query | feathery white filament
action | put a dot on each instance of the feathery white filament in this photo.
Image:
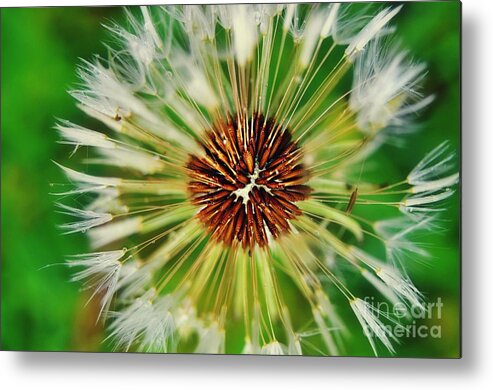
(149, 27)
(399, 235)
(73, 134)
(143, 162)
(385, 290)
(198, 87)
(142, 43)
(199, 21)
(370, 31)
(264, 14)
(330, 20)
(149, 320)
(311, 37)
(436, 185)
(88, 219)
(426, 198)
(385, 87)
(134, 280)
(273, 348)
(84, 178)
(395, 285)
(211, 339)
(325, 332)
(103, 235)
(244, 34)
(107, 94)
(368, 317)
(107, 201)
(429, 185)
(250, 348)
(101, 273)
(160, 329)
(288, 17)
(433, 166)
(404, 287)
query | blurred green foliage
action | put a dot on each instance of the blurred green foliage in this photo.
(41, 309)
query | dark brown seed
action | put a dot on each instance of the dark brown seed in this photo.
(211, 197)
(247, 156)
(239, 222)
(298, 171)
(242, 178)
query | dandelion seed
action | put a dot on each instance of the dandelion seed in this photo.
(211, 339)
(435, 164)
(148, 319)
(400, 239)
(395, 287)
(430, 187)
(385, 87)
(370, 31)
(101, 272)
(372, 325)
(145, 163)
(78, 136)
(106, 234)
(89, 219)
(133, 280)
(273, 348)
(229, 144)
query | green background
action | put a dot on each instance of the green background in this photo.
(40, 308)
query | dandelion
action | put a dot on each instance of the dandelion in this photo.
(230, 154)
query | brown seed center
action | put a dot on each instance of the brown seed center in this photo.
(247, 181)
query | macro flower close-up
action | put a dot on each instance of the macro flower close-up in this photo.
(234, 183)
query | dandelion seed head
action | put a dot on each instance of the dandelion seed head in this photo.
(230, 145)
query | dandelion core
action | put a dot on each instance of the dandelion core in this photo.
(248, 180)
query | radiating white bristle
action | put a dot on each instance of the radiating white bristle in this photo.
(371, 323)
(311, 37)
(100, 272)
(330, 20)
(143, 162)
(244, 34)
(76, 135)
(370, 31)
(436, 164)
(273, 348)
(211, 339)
(385, 87)
(87, 219)
(103, 235)
(148, 320)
